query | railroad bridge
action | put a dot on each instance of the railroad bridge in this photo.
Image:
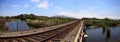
(67, 32)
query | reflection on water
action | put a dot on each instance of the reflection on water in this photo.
(107, 34)
(17, 25)
(103, 29)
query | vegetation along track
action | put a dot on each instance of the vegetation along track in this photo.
(44, 36)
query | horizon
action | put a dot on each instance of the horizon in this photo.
(62, 16)
(70, 8)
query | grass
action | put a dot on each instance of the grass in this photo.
(39, 22)
(45, 23)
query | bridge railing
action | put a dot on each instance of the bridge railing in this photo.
(80, 33)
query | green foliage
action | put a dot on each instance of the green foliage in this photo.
(40, 21)
(2, 24)
(101, 22)
(46, 22)
(37, 25)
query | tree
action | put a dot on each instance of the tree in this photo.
(107, 19)
(21, 17)
(7, 17)
(32, 16)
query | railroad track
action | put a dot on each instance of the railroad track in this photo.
(49, 36)
(61, 35)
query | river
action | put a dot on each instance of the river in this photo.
(102, 35)
(17, 26)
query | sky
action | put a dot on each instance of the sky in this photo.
(70, 8)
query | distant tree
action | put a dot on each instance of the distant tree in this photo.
(107, 19)
(7, 17)
(94, 18)
(32, 16)
(21, 17)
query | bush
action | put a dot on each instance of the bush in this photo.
(37, 25)
(101, 22)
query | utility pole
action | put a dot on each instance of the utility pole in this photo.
(17, 25)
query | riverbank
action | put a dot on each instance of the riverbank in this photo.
(95, 22)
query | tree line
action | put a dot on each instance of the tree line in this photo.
(95, 22)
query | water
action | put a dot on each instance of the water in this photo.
(12, 25)
(99, 35)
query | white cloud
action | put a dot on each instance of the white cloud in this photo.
(15, 5)
(34, 0)
(26, 5)
(82, 14)
(75, 15)
(43, 5)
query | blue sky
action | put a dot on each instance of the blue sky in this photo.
(71, 8)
